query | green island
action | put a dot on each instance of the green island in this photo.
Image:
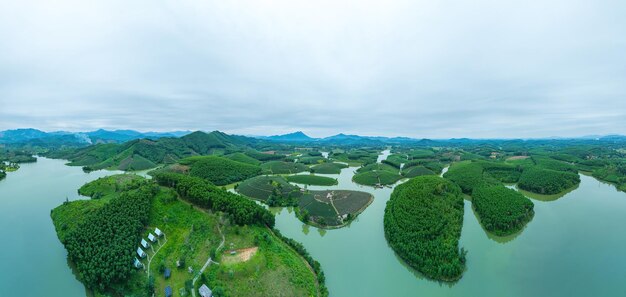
(501, 210)
(219, 171)
(328, 168)
(546, 181)
(422, 222)
(270, 189)
(377, 174)
(332, 208)
(312, 180)
(280, 167)
(201, 226)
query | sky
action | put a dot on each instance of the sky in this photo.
(432, 69)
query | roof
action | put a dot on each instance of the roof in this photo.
(144, 242)
(151, 237)
(140, 252)
(167, 272)
(168, 291)
(205, 291)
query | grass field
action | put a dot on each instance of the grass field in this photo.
(279, 167)
(312, 180)
(261, 187)
(332, 208)
(329, 168)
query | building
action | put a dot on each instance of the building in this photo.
(167, 273)
(205, 291)
(158, 232)
(168, 291)
(151, 237)
(141, 253)
(137, 263)
(145, 244)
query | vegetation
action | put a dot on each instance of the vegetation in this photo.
(314, 180)
(110, 186)
(416, 171)
(328, 168)
(2, 175)
(423, 221)
(243, 158)
(547, 182)
(272, 190)
(220, 171)
(502, 211)
(377, 177)
(205, 195)
(279, 167)
(103, 245)
(332, 208)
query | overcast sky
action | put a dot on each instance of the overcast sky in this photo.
(435, 69)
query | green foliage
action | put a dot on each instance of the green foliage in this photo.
(103, 246)
(328, 168)
(376, 177)
(467, 175)
(416, 171)
(311, 160)
(107, 187)
(547, 182)
(501, 171)
(272, 190)
(243, 158)
(280, 167)
(502, 211)
(423, 220)
(312, 180)
(263, 156)
(220, 171)
(2, 175)
(205, 195)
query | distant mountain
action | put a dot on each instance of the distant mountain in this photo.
(298, 136)
(58, 139)
(140, 154)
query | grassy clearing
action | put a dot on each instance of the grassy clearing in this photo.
(312, 180)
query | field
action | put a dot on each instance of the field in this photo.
(329, 168)
(312, 180)
(377, 177)
(416, 171)
(279, 167)
(333, 208)
(262, 187)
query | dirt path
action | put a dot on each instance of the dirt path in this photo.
(208, 262)
(150, 259)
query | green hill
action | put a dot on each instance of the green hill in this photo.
(220, 171)
(145, 153)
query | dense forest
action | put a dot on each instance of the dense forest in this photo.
(546, 181)
(220, 171)
(103, 245)
(502, 211)
(205, 195)
(423, 221)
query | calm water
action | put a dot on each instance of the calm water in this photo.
(33, 261)
(572, 247)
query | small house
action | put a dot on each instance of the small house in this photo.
(141, 253)
(151, 237)
(137, 263)
(168, 291)
(167, 273)
(145, 244)
(205, 291)
(158, 232)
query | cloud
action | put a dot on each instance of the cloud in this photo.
(412, 68)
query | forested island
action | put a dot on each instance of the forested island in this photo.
(502, 211)
(423, 221)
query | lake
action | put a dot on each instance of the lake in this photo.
(572, 247)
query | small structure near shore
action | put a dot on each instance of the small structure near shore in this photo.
(151, 237)
(137, 264)
(141, 253)
(145, 244)
(158, 232)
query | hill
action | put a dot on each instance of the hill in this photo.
(292, 137)
(146, 153)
